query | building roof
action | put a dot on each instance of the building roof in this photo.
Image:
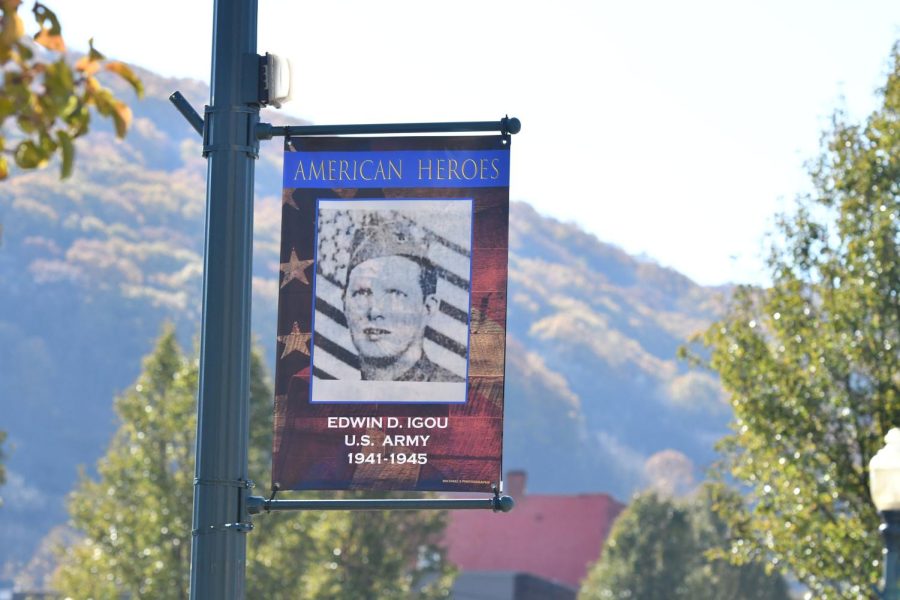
(555, 537)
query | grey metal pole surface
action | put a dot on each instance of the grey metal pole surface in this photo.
(890, 532)
(220, 518)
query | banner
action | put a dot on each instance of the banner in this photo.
(392, 313)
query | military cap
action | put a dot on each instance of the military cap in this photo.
(382, 238)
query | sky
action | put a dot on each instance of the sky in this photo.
(673, 130)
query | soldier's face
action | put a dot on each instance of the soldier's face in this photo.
(385, 308)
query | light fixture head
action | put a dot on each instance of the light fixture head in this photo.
(276, 80)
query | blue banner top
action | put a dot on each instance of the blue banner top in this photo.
(397, 169)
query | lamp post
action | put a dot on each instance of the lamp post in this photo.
(884, 484)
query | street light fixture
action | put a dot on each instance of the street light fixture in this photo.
(884, 484)
(277, 78)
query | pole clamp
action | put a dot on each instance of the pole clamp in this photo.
(251, 142)
(238, 527)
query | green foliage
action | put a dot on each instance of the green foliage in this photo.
(645, 555)
(48, 99)
(136, 518)
(335, 555)
(660, 548)
(348, 555)
(812, 366)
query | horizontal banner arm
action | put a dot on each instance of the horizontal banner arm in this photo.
(258, 504)
(506, 125)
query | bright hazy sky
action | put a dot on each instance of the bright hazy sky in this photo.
(674, 130)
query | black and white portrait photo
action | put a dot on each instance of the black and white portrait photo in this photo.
(391, 318)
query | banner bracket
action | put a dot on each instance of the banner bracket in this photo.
(496, 503)
(506, 126)
(266, 131)
(238, 483)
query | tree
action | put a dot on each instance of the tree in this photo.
(645, 554)
(136, 517)
(50, 100)
(811, 365)
(333, 555)
(660, 548)
(349, 555)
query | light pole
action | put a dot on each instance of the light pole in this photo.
(884, 484)
(221, 520)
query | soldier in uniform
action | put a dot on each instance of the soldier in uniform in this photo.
(389, 299)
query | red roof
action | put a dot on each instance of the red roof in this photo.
(553, 536)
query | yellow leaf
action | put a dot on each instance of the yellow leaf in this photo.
(92, 85)
(87, 65)
(4, 168)
(125, 72)
(103, 99)
(13, 28)
(50, 41)
(121, 117)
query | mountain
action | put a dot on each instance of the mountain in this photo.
(92, 266)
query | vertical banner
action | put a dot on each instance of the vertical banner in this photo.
(392, 313)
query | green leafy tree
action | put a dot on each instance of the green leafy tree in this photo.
(812, 366)
(660, 548)
(335, 555)
(48, 99)
(646, 555)
(349, 555)
(136, 517)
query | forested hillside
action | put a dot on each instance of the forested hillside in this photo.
(92, 266)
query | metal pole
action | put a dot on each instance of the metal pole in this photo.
(220, 518)
(890, 532)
